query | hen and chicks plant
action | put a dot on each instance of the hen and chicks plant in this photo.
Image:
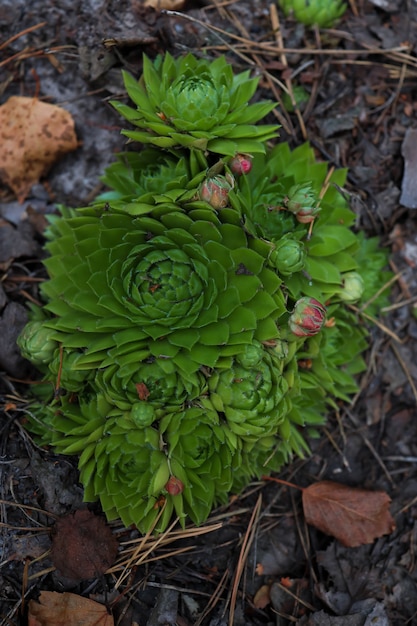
(322, 13)
(197, 321)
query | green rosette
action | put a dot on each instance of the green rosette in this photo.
(128, 466)
(204, 313)
(324, 13)
(170, 284)
(140, 180)
(194, 103)
(330, 249)
(251, 391)
(203, 453)
(157, 382)
(139, 176)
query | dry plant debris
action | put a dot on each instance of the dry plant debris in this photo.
(159, 5)
(67, 609)
(83, 546)
(34, 135)
(354, 516)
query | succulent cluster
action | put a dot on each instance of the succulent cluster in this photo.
(323, 13)
(196, 320)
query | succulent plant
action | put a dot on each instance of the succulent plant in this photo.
(288, 255)
(324, 13)
(215, 191)
(307, 318)
(194, 103)
(352, 287)
(196, 322)
(241, 164)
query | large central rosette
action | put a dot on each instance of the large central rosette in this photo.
(170, 285)
(163, 286)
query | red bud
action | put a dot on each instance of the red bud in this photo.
(307, 318)
(241, 164)
(174, 486)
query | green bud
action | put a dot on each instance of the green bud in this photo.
(303, 202)
(36, 344)
(143, 414)
(352, 287)
(288, 256)
(252, 355)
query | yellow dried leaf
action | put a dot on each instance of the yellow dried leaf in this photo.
(33, 135)
(67, 609)
(170, 5)
(262, 597)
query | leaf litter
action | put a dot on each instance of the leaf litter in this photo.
(354, 516)
(83, 546)
(67, 609)
(33, 134)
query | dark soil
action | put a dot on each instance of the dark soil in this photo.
(362, 84)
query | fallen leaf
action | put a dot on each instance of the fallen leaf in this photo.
(83, 546)
(33, 136)
(353, 516)
(67, 609)
(262, 597)
(171, 5)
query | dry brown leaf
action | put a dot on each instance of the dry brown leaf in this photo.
(170, 5)
(33, 135)
(83, 546)
(67, 609)
(353, 516)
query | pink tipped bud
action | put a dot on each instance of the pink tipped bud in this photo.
(307, 215)
(241, 164)
(307, 318)
(174, 486)
(303, 202)
(215, 190)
